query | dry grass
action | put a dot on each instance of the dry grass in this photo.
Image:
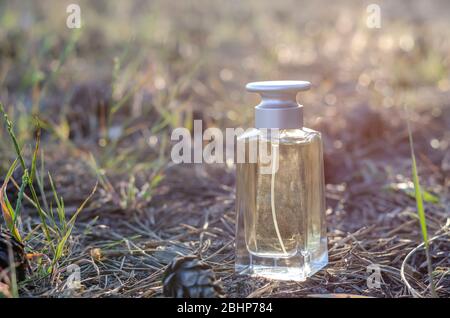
(108, 96)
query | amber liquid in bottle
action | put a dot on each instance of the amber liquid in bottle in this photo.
(281, 231)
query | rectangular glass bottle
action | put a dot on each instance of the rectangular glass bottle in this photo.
(280, 221)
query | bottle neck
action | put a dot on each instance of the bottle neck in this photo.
(290, 117)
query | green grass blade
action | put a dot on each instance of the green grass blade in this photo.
(20, 196)
(419, 201)
(9, 214)
(71, 224)
(420, 208)
(35, 153)
(9, 128)
(59, 204)
(41, 213)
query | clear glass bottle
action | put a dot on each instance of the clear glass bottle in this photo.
(280, 203)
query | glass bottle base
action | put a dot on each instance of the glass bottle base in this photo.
(295, 268)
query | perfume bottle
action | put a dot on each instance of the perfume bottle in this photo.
(280, 203)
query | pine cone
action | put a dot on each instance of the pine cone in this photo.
(189, 277)
(20, 260)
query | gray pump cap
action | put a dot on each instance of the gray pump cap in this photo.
(278, 107)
